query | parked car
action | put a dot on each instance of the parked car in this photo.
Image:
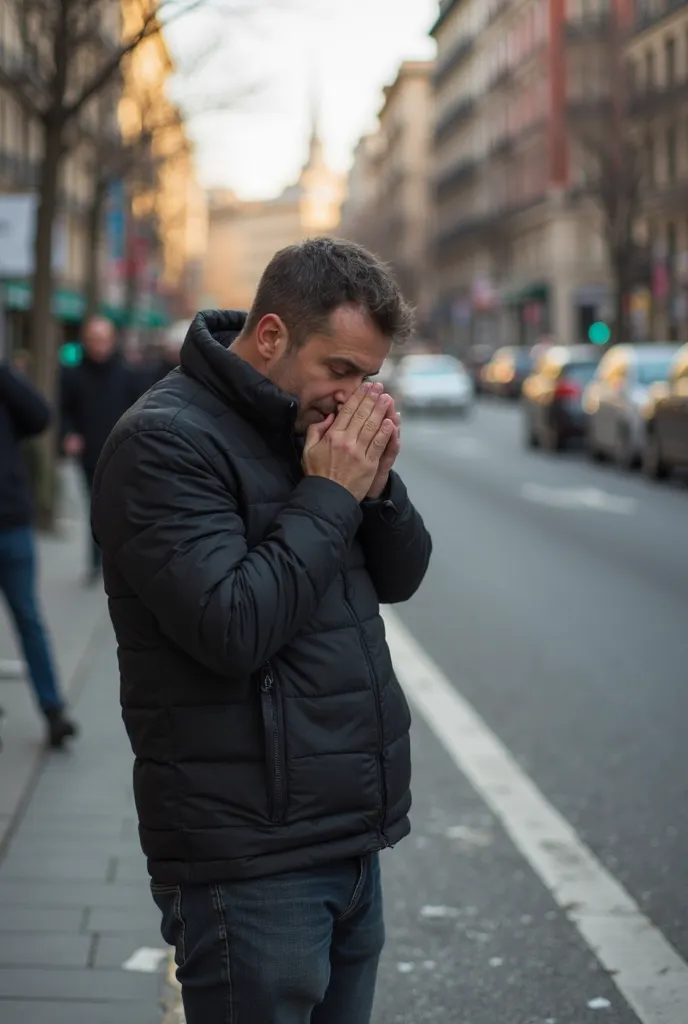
(614, 399)
(506, 371)
(666, 421)
(553, 396)
(426, 383)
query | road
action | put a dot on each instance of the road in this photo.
(556, 605)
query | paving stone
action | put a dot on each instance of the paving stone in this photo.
(73, 894)
(49, 865)
(131, 869)
(50, 950)
(77, 984)
(108, 920)
(40, 919)
(112, 950)
(34, 1012)
(44, 830)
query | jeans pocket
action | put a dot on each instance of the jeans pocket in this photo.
(273, 729)
(168, 899)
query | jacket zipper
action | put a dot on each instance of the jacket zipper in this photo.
(272, 743)
(376, 691)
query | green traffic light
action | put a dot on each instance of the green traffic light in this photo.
(71, 354)
(599, 333)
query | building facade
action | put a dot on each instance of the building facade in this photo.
(244, 236)
(388, 207)
(657, 53)
(21, 153)
(167, 231)
(518, 247)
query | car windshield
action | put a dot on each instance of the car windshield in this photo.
(522, 358)
(432, 366)
(653, 371)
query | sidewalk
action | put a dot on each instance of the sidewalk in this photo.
(74, 900)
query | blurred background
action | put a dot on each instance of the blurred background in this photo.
(523, 166)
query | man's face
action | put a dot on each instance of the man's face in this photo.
(99, 340)
(327, 369)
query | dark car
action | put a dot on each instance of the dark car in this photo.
(506, 371)
(553, 395)
(666, 422)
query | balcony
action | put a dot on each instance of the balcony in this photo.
(453, 61)
(659, 100)
(588, 29)
(453, 118)
(446, 8)
(496, 11)
(461, 174)
(503, 146)
(651, 12)
(500, 79)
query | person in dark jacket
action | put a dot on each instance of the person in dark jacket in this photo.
(23, 414)
(95, 394)
(251, 524)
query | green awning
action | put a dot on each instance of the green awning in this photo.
(67, 305)
(70, 307)
(536, 291)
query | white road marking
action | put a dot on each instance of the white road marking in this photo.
(645, 968)
(579, 498)
(146, 960)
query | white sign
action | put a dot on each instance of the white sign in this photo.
(17, 233)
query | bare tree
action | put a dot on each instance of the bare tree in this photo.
(72, 53)
(612, 139)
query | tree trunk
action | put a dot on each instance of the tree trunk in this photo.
(621, 290)
(43, 335)
(95, 230)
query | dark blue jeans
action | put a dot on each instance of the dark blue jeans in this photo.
(18, 585)
(298, 948)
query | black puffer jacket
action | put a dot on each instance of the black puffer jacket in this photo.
(94, 396)
(269, 730)
(23, 413)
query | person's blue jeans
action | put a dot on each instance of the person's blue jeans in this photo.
(297, 948)
(18, 585)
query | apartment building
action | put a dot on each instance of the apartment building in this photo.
(657, 53)
(387, 207)
(518, 248)
(21, 143)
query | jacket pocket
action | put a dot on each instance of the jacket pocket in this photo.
(274, 744)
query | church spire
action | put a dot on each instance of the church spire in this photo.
(315, 147)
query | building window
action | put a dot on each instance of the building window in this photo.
(670, 60)
(649, 70)
(671, 153)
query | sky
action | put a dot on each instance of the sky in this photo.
(252, 77)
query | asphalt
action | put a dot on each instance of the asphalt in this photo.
(556, 604)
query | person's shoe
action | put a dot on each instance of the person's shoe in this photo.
(60, 728)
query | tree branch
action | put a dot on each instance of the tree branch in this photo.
(151, 25)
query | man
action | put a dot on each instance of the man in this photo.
(24, 413)
(250, 524)
(94, 396)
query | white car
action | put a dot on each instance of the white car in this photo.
(427, 383)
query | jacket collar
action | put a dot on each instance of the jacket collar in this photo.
(206, 358)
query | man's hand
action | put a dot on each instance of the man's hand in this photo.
(73, 445)
(388, 456)
(347, 448)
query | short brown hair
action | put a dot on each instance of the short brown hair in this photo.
(305, 283)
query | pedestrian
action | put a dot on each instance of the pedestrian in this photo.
(251, 523)
(23, 414)
(95, 394)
